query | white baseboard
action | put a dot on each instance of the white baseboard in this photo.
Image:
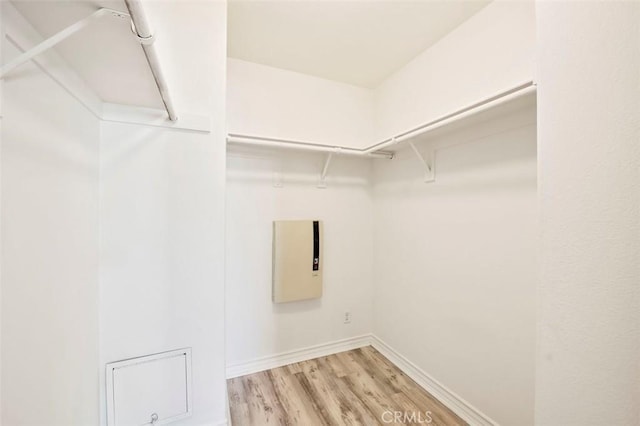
(455, 403)
(221, 422)
(298, 355)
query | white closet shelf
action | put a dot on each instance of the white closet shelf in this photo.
(380, 149)
(377, 150)
(139, 25)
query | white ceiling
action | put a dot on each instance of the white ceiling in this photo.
(105, 54)
(356, 42)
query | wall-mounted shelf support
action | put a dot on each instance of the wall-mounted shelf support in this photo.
(427, 163)
(276, 180)
(323, 175)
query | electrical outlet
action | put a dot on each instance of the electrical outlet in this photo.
(347, 317)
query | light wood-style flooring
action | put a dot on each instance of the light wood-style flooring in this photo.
(358, 387)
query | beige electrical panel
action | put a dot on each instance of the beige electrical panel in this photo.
(297, 260)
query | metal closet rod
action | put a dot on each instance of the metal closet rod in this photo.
(472, 109)
(140, 24)
(377, 150)
(303, 146)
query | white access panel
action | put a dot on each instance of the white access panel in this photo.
(153, 389)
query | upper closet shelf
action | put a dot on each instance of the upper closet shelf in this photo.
(379, 149)
(141, 29)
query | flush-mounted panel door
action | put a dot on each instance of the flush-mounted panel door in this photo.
(154, 389)
(297, 260)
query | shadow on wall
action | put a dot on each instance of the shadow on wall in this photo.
(456, 160)
(285, 167)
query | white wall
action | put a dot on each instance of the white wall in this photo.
(491, 52)
(589, 150)
(257, 327)
(266, 101)
(162, 252)
(271, 102)
(49, 253)
(162, 214)
(454, 266)
(2, 58)
(455, 262)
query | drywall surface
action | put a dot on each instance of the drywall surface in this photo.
(161, 251)
(455, 262)
(271, 102)
(490, 52)
(49, 253)
(256, 327)
(589, 201)
(162, 215)
(2, 57)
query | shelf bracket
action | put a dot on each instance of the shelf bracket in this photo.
(58, 37)
(427, 163)
(322, 184)
(276, 180)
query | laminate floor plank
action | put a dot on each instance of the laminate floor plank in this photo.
(341, 409)
(407, 386)
(363, 414)
(338, 368)
(297, 405)
(263, 406)
(374, 398)
(416, 416)
(294, 368)
(353, 388)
